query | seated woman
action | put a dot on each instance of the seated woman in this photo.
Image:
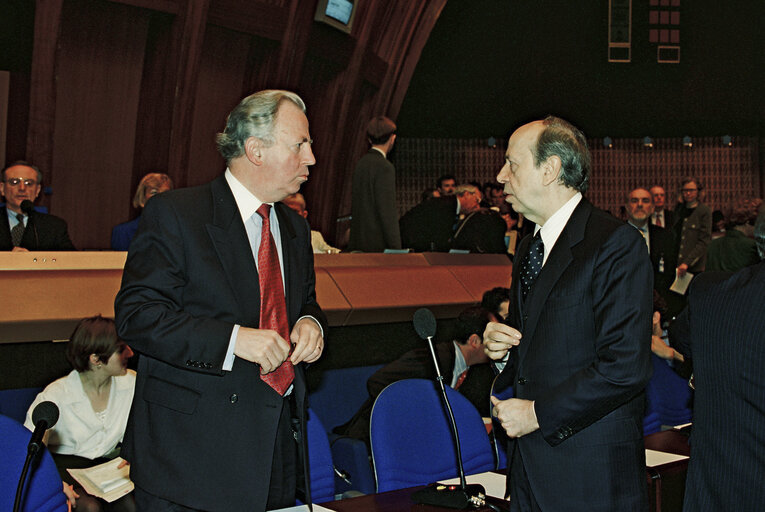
(150, 185)
(94, 402)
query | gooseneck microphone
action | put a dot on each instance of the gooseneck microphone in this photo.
(44, 416)
(436, 494)
(28, 207)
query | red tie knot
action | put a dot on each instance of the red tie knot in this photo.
(263, 210)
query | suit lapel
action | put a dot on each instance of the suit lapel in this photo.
(557, 262)
(232, 246)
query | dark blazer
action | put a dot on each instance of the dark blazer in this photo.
(584, 359)
(722, 330)
(482, 231)
(694, 234)
(664, 262)
(122, 234)
(44, 232)
(415, 364)
(198, 435)
(374, 215)
(429, 226)
(668, 219)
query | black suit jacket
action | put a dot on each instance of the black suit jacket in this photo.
(44, 232)
(482, 231)
(374, 215)
(584, 359)
(664, 262)
(198, 435)
(429, 226)
(722, 329)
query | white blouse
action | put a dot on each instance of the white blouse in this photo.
(80, 430)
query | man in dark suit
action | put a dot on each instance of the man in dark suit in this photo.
(453, 222)
(577, 353)
(661, 215)
(218, 298)
(722, 331)
(661, 247)
(454, 361)
(24, 229)
(374, 215)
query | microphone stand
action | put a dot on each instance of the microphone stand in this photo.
(450, 496)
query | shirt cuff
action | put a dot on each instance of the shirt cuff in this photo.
(317, 323)
(228, 362)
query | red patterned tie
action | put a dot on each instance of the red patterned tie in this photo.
(460, 379)
(273, 307)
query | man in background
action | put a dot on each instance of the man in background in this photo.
(660, 244)
(374, 215)
(446, 185)
(575, 346)
(455, 359)
(296, 201)
(661, 216)
(22, 228)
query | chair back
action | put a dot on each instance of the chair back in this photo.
(668, 398)
(43, 490)
(498, 434)
(411, 437)
(321, 471)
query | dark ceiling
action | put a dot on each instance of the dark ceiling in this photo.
(491, 64)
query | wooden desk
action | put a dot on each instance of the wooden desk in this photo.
(666, 483)
(46, 293)
(397, 501)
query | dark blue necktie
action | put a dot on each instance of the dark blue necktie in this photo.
(531, 264)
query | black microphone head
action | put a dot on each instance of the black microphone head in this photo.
(424, 323)
(27, 206)
(47, 412)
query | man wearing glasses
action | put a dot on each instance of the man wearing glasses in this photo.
(21, 227)
(693, 229)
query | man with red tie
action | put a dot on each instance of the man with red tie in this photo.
(218, 298)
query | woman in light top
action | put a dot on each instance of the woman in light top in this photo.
(94, 401)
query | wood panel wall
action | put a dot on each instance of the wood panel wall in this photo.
(124, 87)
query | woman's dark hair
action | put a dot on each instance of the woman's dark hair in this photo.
(95, 335)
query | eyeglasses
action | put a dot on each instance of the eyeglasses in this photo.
(15, 181)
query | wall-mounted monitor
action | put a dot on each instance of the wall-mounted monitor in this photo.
(337, 13)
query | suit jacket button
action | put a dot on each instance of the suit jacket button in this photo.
(208, 365)
(560, 435)
(521, 381)
(234, 398)
(189, 362)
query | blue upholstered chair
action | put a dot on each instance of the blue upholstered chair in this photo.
(411, 437)
(43, 489)
(668, 398)
(498, 435)
(319, 461)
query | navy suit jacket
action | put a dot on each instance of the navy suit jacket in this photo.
(44, 232)
(722, 329)
(198, 435)
(584, 359)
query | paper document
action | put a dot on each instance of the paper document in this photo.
(494, 483)
(105, 481)
(654, 458)
(681, 283)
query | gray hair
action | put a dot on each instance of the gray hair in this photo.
(253, 117)
(759, 233)
(564, 140)
(461, 190)
(25, 164)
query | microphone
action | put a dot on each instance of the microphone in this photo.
(28, 207)
(440, 495)
(44, 416)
